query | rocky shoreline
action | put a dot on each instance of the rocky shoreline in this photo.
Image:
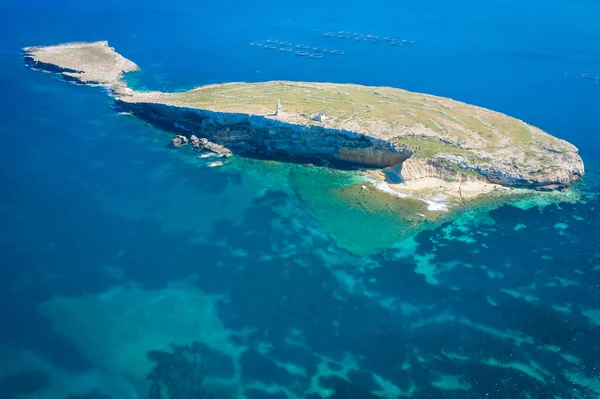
(87, 63)
(419, 143)
(255, 135)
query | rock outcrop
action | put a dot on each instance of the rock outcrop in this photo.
(431, 137)
(201, 144)
(86, 63)
(178, 141)
(204, 144)
(421, 168)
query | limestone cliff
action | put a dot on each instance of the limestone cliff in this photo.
(422, 168)
(257, 135)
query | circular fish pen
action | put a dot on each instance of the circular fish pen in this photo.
(269, 47)
(360, 38)
(590, 76)
(329, 34)
(389, 39)
(316, 56)
(372, 37)
(302, 46)
(343, 37)
(301, 53)
(397, 44)
(337, 52)
(273, 41)
(285, 43)
(319, 50)
(285, 49)
(256, 44)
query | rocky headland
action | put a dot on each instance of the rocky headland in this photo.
(417, 144)
(87, 63)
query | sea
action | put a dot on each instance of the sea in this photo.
(131, 270)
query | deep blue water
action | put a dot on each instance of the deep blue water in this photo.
(112, 245)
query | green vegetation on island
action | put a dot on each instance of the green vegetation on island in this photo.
(427, 141)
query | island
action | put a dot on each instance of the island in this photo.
(417, 144)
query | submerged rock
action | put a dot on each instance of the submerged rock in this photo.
(23, 383)
(90, 395)
(191, 371)
(155, 391)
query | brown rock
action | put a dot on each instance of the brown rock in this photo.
(178, 141)
(195, 141)
(218, 149)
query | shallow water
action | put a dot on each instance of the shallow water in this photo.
(114, 245)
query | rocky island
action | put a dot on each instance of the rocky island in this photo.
(418, 144)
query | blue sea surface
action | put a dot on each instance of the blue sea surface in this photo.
(131, 270)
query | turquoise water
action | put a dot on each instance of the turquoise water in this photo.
(125, 263)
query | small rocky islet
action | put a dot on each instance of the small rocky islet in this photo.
(410, 144)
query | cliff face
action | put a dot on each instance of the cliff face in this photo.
(420, 168)
(549, 169)
(253, 134)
